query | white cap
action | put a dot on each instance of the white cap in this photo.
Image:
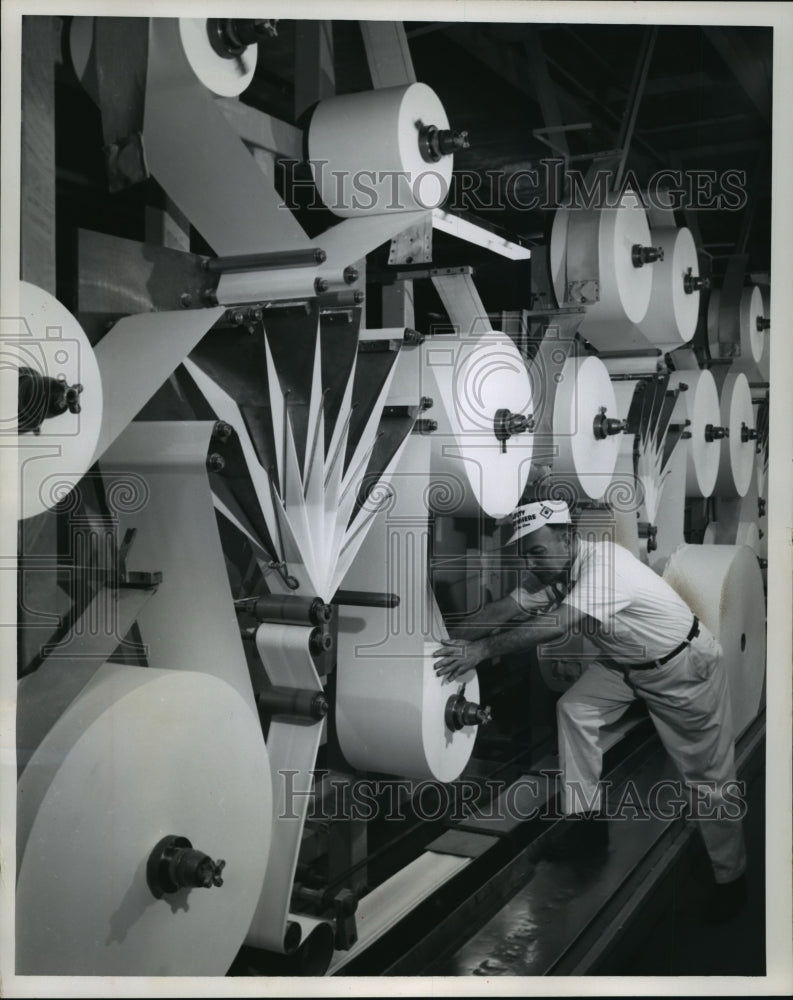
(532, 516)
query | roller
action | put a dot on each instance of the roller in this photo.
(52, 344)
(753, 333)
(671, 318)
(764, 361)
(141, 756)
(586, 428)
(483, 408)
(603, 258)
(699, 404)
(382, 151)
(222, 64)
(723, 586)
(737, 458)
(393, 713)
(225, 64)
(118, 377)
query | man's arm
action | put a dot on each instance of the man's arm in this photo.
(491, 616)
(458, 657)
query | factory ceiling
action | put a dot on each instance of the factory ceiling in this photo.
(688, 104)
(690, 98)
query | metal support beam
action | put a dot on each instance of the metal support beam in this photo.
(546, 93)
(314, 74)
(635, 99)
(388, 54)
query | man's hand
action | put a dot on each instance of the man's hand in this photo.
(457, 656)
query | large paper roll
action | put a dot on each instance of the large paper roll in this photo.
(585, 396)
(119, 375)
(224, 76)
(470, 379)
(674, 303)
(390, 704)
(201, 162)
(752, 332)
(723, 586)
(365, 155)
(52, 343)
(592, 264)
(737, 457)
(699, 404)
(142, 754)
(764, 362)
(292, 746)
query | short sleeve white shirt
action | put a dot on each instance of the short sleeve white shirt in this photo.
(640, 616)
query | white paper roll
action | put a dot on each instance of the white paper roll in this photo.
(390, 703)
(470, 378)
(591, 264)
(736, 461)
(140, 755)
(292, 747)
(202, 163)
(672, 314)
(282, 283)
(764, 362)
(753, 340)
(699, 404)
(51, 342)
(723, 586)
(584, 390)
(364, 151)
(226, 77)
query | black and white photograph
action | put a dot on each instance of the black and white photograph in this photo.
(396, 507)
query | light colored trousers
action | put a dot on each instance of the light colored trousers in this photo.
(689, 703)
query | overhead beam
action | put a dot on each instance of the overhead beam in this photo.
(546, 93)
(635, 95)
(502, 61)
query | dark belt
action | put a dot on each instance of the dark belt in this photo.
(693, 633)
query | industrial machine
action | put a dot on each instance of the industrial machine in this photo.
(274, 411)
